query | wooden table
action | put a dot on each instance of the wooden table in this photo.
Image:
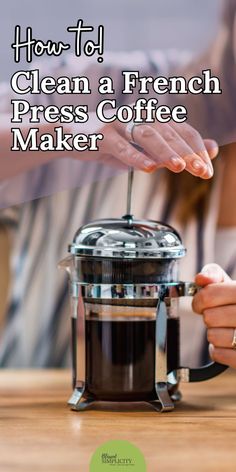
(39, 433)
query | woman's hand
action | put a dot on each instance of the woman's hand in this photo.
(175, 146)
(217, 303)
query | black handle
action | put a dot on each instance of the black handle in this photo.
(206, 372)
(210, 370)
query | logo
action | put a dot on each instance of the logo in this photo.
(121, 456)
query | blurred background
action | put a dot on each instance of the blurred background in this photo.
(185, 24)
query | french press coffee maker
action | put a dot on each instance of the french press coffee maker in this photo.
(125, 324)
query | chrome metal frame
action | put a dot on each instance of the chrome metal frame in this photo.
(161, 380)
(138, 291)
(77, 400)
(161, 294)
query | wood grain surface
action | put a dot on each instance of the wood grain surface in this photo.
(39, 433)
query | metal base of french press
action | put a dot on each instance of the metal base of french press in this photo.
(163, 402)
(77, 400)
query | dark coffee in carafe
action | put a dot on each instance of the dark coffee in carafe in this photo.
(120, 355)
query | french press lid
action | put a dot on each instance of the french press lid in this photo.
(129, 238)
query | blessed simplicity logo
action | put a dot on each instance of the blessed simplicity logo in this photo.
(117, 455)
(115, 459)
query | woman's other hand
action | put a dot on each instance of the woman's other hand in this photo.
(217, 303)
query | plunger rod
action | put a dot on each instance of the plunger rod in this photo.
(129, 190)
